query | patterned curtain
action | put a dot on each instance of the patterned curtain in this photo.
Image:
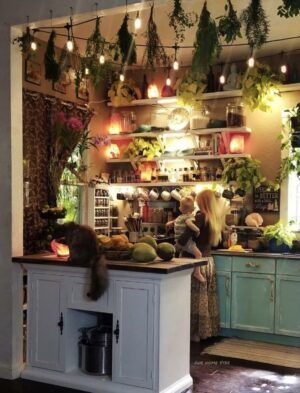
(38, 111)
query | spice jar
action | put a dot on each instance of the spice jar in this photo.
(235, 115)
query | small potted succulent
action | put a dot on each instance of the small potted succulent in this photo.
(280, 237)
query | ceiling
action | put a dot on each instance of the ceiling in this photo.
(279, 28)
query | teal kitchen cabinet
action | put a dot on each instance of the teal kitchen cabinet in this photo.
(223, 268)
(252, 306)
(287, 310)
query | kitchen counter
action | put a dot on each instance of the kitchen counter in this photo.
(157, 266)
(264, 254)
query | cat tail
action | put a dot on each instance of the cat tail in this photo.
(99, 278)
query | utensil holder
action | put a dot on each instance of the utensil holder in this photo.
(133, 237)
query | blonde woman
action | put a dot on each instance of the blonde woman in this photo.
(210, 220)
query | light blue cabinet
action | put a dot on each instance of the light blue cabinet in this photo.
(253, 302)
(224, 296)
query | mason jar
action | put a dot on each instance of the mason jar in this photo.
(235, 115)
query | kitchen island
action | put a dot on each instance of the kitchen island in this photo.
(150, 308)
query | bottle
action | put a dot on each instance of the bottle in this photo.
(233, 237)
(191, 174)
(146, 212)
(180, 175)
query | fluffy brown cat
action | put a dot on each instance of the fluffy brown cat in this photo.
(85, 250)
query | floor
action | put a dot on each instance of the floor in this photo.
(211, 374)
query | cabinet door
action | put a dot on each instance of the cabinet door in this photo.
(287, 316)
(224, 295)
(134, 321)
(252, 306)
(45, 336)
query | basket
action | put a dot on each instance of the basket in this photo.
(117, 255)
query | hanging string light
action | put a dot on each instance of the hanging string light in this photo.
(70, 43)
(222, 78)
(283, 67)
(33, 44)
(251, 60)
(137, 21)
(122, 75)
(176, 63)
(168, 80)
(86, 71)
(102, 59)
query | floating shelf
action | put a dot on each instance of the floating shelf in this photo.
(194, 157)
(165, 184)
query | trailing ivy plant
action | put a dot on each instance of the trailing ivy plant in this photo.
(289, 8)
(189, 90)
(256, 24)
(229, 24)
(260, 87)
(207, 46)
(180, 20)
(24, 42)
(125, 46)
(154, 53)
(52, 69)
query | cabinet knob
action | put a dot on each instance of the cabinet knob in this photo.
(252, 264)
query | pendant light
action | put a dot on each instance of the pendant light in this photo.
(176, 62)
(137, 21)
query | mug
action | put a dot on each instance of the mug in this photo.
(143, 194)
(128, 195)
(165, 195)
(153, 194)
(175, 194)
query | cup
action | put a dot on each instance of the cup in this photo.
(128, 195)
(153, 194)
(165, 195)
(175, 194)
(143, 194)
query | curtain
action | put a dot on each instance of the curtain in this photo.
(38, 111)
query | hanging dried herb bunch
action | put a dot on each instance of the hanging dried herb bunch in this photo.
(229, 24)
(24, 41)
(289, 8)
(125, 46)
(256, 24)
(154, 52)
(95, 47)
(180, 20)
(52, 69)
(207, 46)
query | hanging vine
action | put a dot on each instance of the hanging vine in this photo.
(207, 46)
(229, 24)
(256, 24)
(125, 46)
(24, 42)
(180, 20)
(52, 69)
(154, 52)
(289, 8)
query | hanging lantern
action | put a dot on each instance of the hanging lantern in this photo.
(237, 144)
(115, 126)
(112, 151)
(153, 91)
(60, 249)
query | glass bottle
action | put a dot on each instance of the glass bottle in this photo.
(235, 115)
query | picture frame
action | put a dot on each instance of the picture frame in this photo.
(59, 86)
(82, 93)
(33, 72)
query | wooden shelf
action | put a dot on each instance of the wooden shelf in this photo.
(165, 184)
(176, 158)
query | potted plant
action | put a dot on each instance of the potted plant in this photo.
(280, 237)
(295, 126)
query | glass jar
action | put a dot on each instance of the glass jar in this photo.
(128, 121)
(235, 115)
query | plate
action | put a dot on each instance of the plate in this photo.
(178, 119)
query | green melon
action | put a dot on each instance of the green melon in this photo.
(149, 240)
(166, 251)
(143, 252)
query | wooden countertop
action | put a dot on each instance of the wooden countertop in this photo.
(256, 254)
(157, 266)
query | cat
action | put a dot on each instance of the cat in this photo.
(85, 250)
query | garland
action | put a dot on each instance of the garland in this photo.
(125, 46)
(229, 25)
(207, 46)
(256, 24)
(180, 20)
(154, 52)
(289, 8)
(52, 69)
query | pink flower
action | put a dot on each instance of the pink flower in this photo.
(60, 117)
(74, 124)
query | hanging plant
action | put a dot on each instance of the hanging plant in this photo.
(229, 24)
(289, 8)
(96, 46)
(24, 42)
(125, 46)
(154, 52)
(189, 90)
(141, 148)
(180, 20)
(256, 24)
(207, 46)
(260, 87)
(52, 69)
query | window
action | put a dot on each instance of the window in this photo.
(293, 213)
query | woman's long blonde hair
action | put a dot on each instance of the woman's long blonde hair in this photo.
(214, 216)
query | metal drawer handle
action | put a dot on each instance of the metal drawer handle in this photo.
(252, 264)
(272, 291)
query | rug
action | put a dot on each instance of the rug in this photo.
(279, 355)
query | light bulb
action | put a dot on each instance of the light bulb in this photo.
(33, 45)
(222, 79)
(86, 71)
(168, 81)
(102, 59)
(176, 65)
(283, 69)
(122, 77)
(251, 62)
(70, 45)
(137, 21)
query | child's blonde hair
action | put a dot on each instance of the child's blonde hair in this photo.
(207, 203)
(187, 205)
